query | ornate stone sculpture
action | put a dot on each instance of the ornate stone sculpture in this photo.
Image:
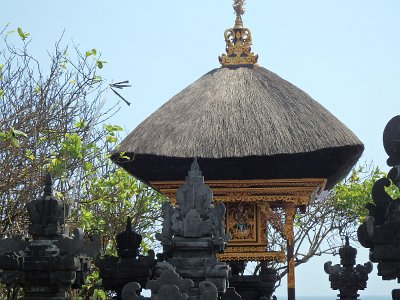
(116, 272)
(193, 231)
(50, 264)
(347, 278)
(380, 231)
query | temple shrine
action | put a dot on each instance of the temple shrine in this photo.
(265, 148)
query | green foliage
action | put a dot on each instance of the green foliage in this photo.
(99, 63)
(91, 52)
(12, 136)
(59, 129)
(92, 288)
(354, 193)
(23, 35)
(99, 295)
(111, 132)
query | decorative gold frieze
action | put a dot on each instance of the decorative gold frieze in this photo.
(241, 249)
(252, 256)
(276, 192)
(278, 200)
(248, 183)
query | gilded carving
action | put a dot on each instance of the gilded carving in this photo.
(270, 216)
(238, 48)
(278, 192)
(238, 249)
(290, 211)
(252, 256)
(238, 42)
(272, 199)
(248, 227)
(263, 183)
(242, 221)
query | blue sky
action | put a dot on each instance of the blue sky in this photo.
(345, 54)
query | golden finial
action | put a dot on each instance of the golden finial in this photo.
(238, 41)
(238, 6)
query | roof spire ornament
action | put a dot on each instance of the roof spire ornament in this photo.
(238, 6)
(238, 41)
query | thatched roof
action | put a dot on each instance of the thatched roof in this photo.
(244, 122)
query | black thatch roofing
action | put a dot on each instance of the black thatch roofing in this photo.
(241, 123)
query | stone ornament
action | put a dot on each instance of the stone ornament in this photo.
(170, 278)
(348, 278)
(128, 267)
(52, 263)
(194, 216)
(193, 232)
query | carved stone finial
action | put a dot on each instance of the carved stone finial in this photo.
(347, 254)
(128, 241)
(46, 214)
(129, 224)
(238, 42)
(48, 186)
(195, 166)
(348, 278)
(380, 230)
(194, 172)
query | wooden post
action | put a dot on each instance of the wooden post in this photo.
(290, 211)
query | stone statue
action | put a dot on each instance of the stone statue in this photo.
(52, 263)
(117, 272)
(193, 232)
(347, 278)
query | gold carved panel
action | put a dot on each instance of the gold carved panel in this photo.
(242, 222)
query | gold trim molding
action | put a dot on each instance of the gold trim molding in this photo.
(275, 192)
(252, 256)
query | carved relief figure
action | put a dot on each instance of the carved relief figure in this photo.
(242, 221)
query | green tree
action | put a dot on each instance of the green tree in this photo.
(38, 111)
(53, 119)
